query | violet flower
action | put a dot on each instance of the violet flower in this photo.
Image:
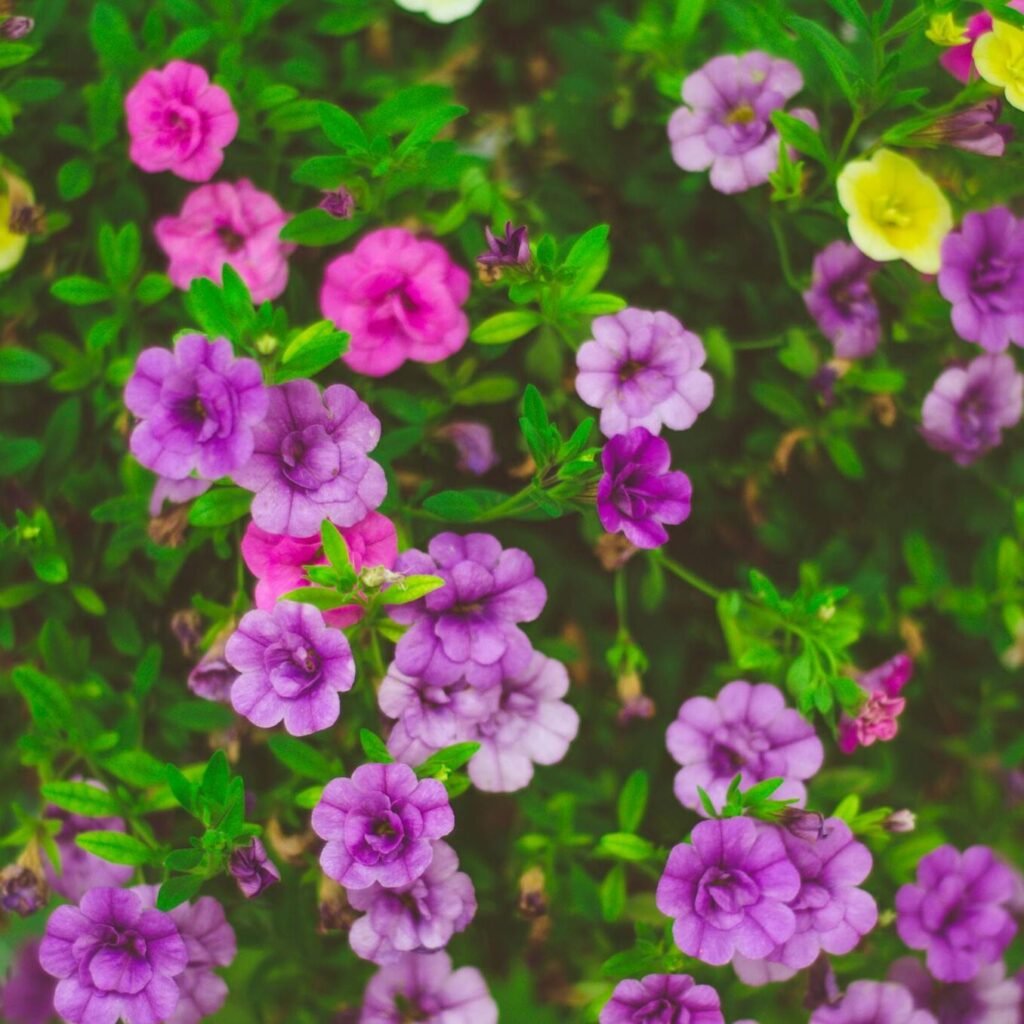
(212, 678)
(474, 444)
(339, 203)
(841, 302)
(972, 129)
(26, 994)
(16, 27)
(876, 720)
(177, 492)
(873, 1002)
(252, 868)
(510, 250)
(662, 999)
(23, 890)
(990, 998)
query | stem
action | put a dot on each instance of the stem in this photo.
(851, 134)
(622, 601)
(783, 247)
(686, 576)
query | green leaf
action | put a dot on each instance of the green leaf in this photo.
(21, 366)
(588, 259)
(374, 747)
(341, 128)
(47, 702)
(845, 457)
(198, 715)
(183, 860)
(323, 598)
(78, 290)
(334, 546)
(633, 801)
(801, 136)
(310, 351)
(12, 54)
(183, 790)
(137, 768)
(301, 758)
(220, 506)
(839, 60)
(427, 127)
(216, 776)
(625, 846)
(411, 588)
(505, 327)
(463, 506)
(597, 304)
(115, 847)
(112, 39)
(178, 890)
(778, 400)
(18, 454)
(152, 288)
(613, 893)
(81, 798)
(74, 178)
(449, 759)
(487, 390)
(88, 600)
(317, 227)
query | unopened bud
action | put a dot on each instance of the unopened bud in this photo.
(900, 821)
(23, 889)
(809, 825)
(266, 344)
(533, 898)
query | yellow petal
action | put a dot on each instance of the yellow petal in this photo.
(999, 58)
(945, 30)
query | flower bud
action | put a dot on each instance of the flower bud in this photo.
(252, 869)
(900, 821)
(23, 889)
(809, 825)
(17, 27)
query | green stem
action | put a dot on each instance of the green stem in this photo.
(686, 576)
(783, 247)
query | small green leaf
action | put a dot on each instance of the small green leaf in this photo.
(633, 801)
(411, 588)
(78, 290)
(115, 847)
(374, 747)
(801, 136)
(22, 366)
(301, 758)
(219, 507)
(625, 846)
(505, 327)
(334, 546)
(82, 798)
(178, 890)
(449, 759)
(341, 128)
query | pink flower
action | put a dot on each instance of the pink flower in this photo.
(179, 122)
(400, 298)
(959, 60)
(876, 719)
(228, 223)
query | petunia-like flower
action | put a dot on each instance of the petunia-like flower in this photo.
(957, 911)
(399, 297)
(746, 730)
(227, 223)
(424, 988)
(991, 998)
(26, 994)
(894, 210)
(474, 444)
(873, 1002)
(441, 11)
(662, 999)
(643, 369)
(113, 959)
(415, 918)
(972, 129)
(512, 249)
(969, 407)
(982, 275)
(212, 678)
(198, 407)
(469, 627)
(999, 59)
(252, 868)
(841, 302)
(310, 461)
(637, 493)
(876, 720)
(179, 122)
(380, 825)
(729, 891)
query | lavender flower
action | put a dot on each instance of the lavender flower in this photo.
(380, 825)
(338, 203)
(253, 869)
(16, 27)
(26, 995)
(662, 999)
(841, 302)
(474, 443)
(213, 677)
(747, 730)
(876, 720)
(991, 998)
(177, 492)
(873, 1002)
(310, 461)
(511, 250)
(972, 129)
(643, 369)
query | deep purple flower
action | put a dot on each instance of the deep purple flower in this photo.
(841, 302)
(662, 999)
(114, 959)
(380, 825)
(991, 998)
(972, 129)
(26, 996)
(511, 250)
(807, 825)
(422, 987)
(729, 891)
(17, 27)
(957, 911)
(876, 720)
(23, 890)
(638, 493)
(969, 407)
(468, 628)
(292, 665)
(474, 443)
(746, 730)
(253, 869)
(339, 202)
(643, 369)
(419, 917)
(198, 407)
(873, 1002)
(310, 461)
(982, 275)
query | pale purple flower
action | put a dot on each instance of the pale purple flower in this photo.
(662, 999)
(380, 825)
(643, 369)
(177, 492)
(746, 730)
(474, 444)
(841, 302)
(512, 249)
(310, 461)
(972, 129)
(873, 1002)
(876, 719)
(991, 998)
(729, 891)
(212, 679)
(26, 995)
(957, 911)
(253, 869)
(17, 27)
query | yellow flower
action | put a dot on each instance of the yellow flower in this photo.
(999, 58)
(16, 194)
(945, 30)
(895, 210)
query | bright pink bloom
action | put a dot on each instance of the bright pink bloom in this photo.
(876, 719)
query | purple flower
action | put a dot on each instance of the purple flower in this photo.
(292, 665)
(991, 998)
(969, 406)
(23, 890)
(380, 825)
(212, 679)
(511, 250)
(177, 492)
(114, 959)
(873, 1002)
(474, 443)
(957, 911)
(26, 996)
(419, 917)
(982, 275)
(972, 129)
(339, 203)
(310, 461)
(643, 369)
(729, 891)
(662, 999)
(637, 493)
(747, 730)
(422, 987)
(468, 628)
(876, 720)
(841, 302)
(253, 869)
(17, 27)
(727, 125)
(198, 408)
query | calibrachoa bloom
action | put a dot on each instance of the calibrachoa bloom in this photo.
(894, 210)
(441, 11)
(972, 129)
(26, 995)
(637, 493)
(643, 369)
(198, 408)
(876, 719)
(873, 1002)
(113, 959)
(841, 302)
(179, 122)
(468, 628)
(310, 461)
(224, 223)
(746, 730)
(727, 124)
(729, 891)
(662, 999)
(252, 868)
(982, 275)
(999, 58)
(380, 825)
(969, 407)
(957, 911)
(510, 250)
(400, 297)
(292, 665)
(177, 492)
(212, 678)
(474, 444)
(991, 998)
(959, 60)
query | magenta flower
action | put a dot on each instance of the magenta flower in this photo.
(310, 461)
(179, 122)
(746, 730)
(662, 999)
(26, 994)
(873, 1002)
(643, 369)
(729, 891)
(399, 297)
(252, 868)
(841, 302)
(991, 998)
(233, 224)
(876, 719)
(380, 825)
(727, 125)
(474, 445)
(957, 911)
(113, 959)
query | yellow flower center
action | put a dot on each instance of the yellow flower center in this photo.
(743, 114)
(891, 212)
